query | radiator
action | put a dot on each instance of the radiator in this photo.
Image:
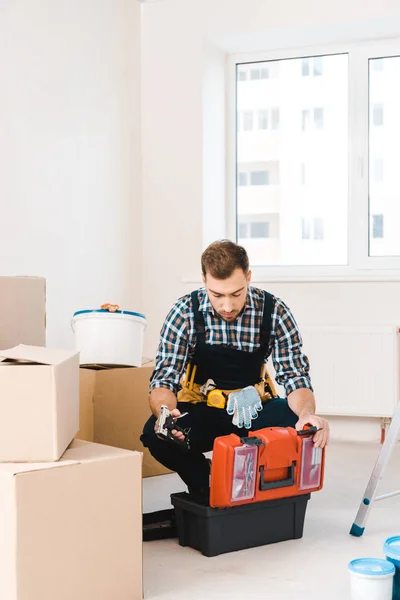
(354, 370)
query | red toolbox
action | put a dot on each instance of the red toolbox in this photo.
(272, 463)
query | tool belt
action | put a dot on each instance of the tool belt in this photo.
(216, 398)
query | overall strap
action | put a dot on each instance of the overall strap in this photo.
(266, 324)
(198, 318)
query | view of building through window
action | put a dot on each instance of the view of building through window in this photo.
(292, 160)
(384, 134)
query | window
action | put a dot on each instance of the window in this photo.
(255, 74)
(242, 75)
(305, 229)
(312, 229)
(330, 167)
(262, 119)
(318, 118)
(377, 64)
(377, 226)
(259, 230)
(312, 119)
(275, 118)
(384, 133)
(242, 230)
(305, 67)
(318, 229)
(306, 120)
(317, 66)
(247, 120)
(242, 178)
(377, 170)
(259, 73)
(259, 178)
(377, 115)
(312, 66)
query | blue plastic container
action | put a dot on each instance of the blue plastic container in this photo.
(391, 548)
(371, 579)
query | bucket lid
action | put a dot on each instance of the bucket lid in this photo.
(371, 567)
(391, 547)
(104, 310)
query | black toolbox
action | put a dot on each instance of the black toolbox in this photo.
(215, 531)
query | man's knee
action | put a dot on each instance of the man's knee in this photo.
(276, 413)
(148, 437)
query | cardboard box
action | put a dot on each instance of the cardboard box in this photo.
(22, 311)
(39, 403)
(87, 383)
(72, 530)
(119, 400)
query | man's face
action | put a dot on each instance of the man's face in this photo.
(228, 296)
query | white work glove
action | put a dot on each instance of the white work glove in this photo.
(244, 406)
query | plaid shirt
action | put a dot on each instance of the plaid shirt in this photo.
(178, 340)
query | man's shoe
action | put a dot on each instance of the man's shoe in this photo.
(159, 525)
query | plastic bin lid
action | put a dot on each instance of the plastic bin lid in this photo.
(391, 547)
(371, 566)
(104, 310)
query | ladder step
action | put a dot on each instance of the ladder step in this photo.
(387, 495)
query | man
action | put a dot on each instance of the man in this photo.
(222, 335)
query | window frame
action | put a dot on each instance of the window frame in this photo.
(360, 265)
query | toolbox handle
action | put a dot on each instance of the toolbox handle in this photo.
(252, 441)
(309, 431)
(271, 485)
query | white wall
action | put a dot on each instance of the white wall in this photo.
(70, 168)
(183, 51)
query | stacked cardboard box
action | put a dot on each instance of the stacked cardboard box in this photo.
(70, 510)
(114, 406)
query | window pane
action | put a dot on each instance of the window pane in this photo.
(259, 230)
(378, 170)
(318, 229)
(242, 230)
(306, 120)
(259, 178)
(275, 118)
(305, 229)
(377, 115)
(305, 67)
(318, 118)
(262, 119)
(247, 121)
(255, 74)
(377, 64)
(307, 134)
(377, 226)
(317, 66)
(264, 73)
(242, 178)
(384, 135)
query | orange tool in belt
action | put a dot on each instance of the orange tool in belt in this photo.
(272, 463)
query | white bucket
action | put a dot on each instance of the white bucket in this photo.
(371, 579)
(109, 338)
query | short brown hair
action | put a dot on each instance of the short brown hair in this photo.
(222, 257)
